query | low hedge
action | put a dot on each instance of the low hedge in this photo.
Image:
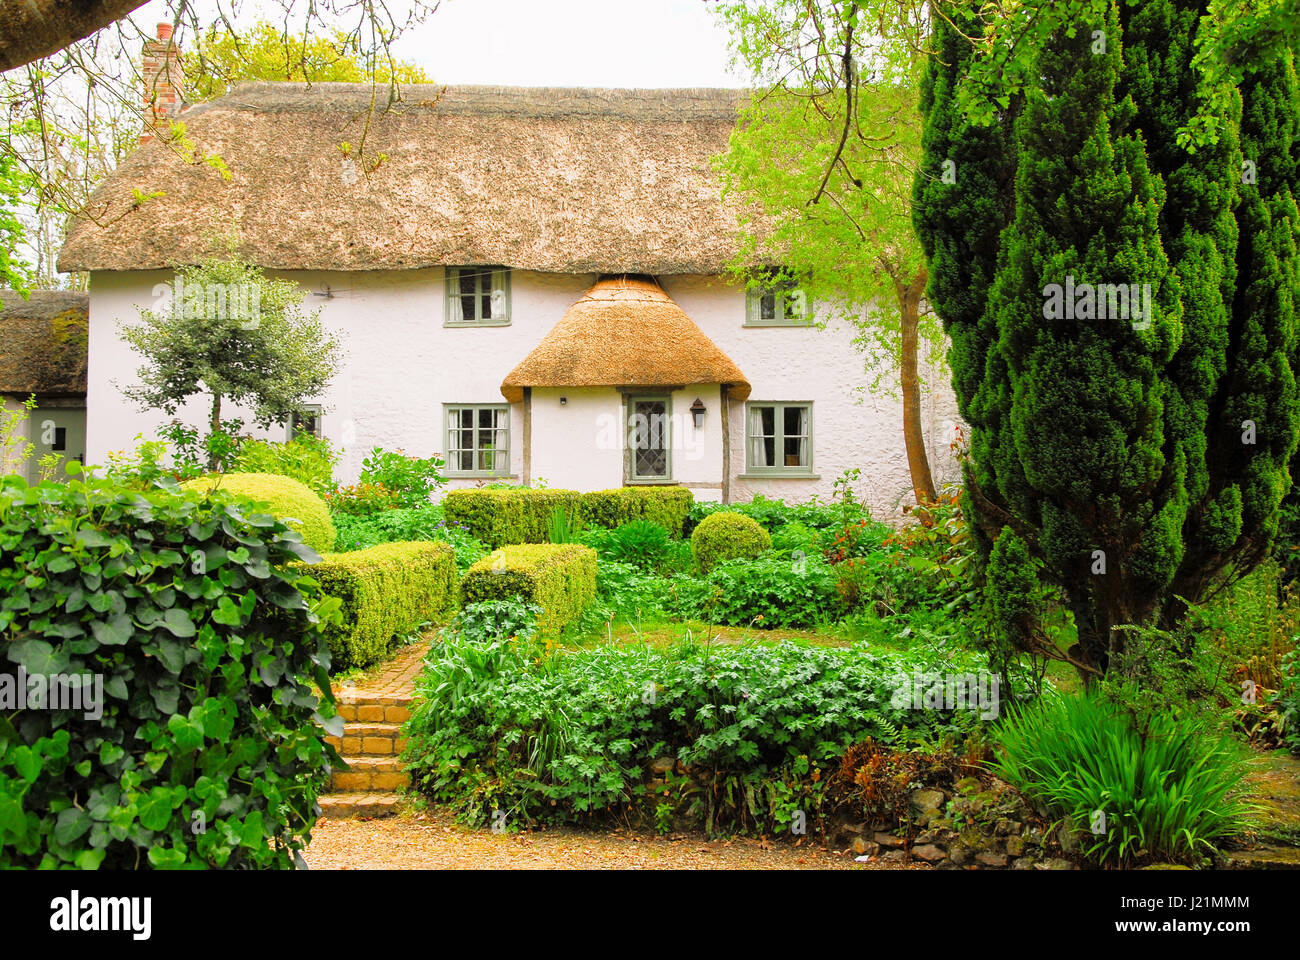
(727, 536)
(560, 578)
(387, 591)
(204, 745)
(284, 497)
(666, 506)
(500, 517)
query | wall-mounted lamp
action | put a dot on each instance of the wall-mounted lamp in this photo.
(324, 291)
(563, 400)
(697, 413)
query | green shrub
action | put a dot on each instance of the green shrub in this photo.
(569, 735)
(358, 531)
(768, 592)
(643, 543)
(362, 499)
(284, 497)
(207, 645)
(500, 517)
(1287, 701)
(559, 578)
(387, 591)
(727, 536)
(1167, 794)
(488, 620)
(666, 506)
(411, 479)
(306, 458)
(515, 515)
(772, 515)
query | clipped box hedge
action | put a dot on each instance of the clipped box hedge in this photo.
(560, 578)
(387, 591)
(666, 506)
(500, 517)
(284, 497)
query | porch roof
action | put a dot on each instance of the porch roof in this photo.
(624, 332)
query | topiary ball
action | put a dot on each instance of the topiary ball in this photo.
(283, 497)
(727, 536)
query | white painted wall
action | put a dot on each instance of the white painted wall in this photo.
(403, 364)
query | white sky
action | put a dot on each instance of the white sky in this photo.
(593, 43)
(537, 43)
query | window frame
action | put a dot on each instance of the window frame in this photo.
(452, 275)
(449, 447)
(630, 477)
(316, 411)
(782, 291)
(801, 472)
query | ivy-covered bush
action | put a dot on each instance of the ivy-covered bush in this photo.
(727, 536)
(387, 591)
(521, 515)
(571, 735)
(358, 531)
(192, 620)
(284, 497)
(559, 578)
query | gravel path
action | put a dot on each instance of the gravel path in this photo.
(433, 840)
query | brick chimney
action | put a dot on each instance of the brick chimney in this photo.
(160, 68)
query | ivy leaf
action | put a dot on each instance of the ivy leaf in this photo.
(115, 632)
(71, 824)
(179, 623)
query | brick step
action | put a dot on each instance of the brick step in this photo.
(369, 739)
(348, 806)
(369, 773)
(375, 710)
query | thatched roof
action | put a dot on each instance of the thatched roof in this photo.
(555, 180)
(43, 343)
(624, 332)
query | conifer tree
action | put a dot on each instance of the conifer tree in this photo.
(1137, 446)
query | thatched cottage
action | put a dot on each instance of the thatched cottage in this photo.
(530, 282)
(43, 355)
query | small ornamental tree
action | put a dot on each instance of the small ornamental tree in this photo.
(1123, 349)
(226, 330)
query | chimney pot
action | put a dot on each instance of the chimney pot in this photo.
(164, 31)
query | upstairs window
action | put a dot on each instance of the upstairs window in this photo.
(776, 301)
(478, 296)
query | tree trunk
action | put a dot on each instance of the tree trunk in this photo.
(214, 429)
(918, 464)
(31, 29)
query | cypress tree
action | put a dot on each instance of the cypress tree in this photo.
(1140, 458)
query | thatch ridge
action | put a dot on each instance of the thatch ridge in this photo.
(43, 342)
(624, 332)
(565, 180)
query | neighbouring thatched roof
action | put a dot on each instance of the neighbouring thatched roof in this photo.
(556, 180)
(43, 342)
(624, 332)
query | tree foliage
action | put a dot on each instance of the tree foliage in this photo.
(1139, 455)
(825, 152)
(222, 58)
(271, 359)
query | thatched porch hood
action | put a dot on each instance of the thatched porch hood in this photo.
(625, 332)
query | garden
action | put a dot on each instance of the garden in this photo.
(629, 659)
